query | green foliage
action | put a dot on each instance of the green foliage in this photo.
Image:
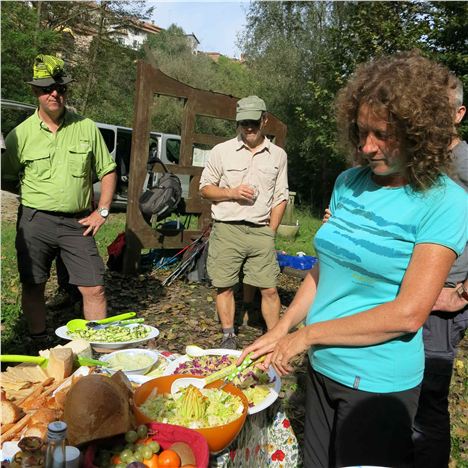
(448, 39)
(176, 59)
(302, 53)
(309, 224)
(22, 40)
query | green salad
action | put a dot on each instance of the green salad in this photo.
(111, 334)
(194, 408)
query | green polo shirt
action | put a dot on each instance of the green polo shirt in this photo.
(55, 170)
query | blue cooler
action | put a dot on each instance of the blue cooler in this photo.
(298, 262)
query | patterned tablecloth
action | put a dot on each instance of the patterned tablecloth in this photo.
(267, 439)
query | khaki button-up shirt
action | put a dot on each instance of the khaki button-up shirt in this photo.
(232, 164)
(55, 170)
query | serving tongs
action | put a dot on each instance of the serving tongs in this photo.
(81, 324)
(228, 373)
(43, 361)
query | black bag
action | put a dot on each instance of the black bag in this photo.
(162, 199)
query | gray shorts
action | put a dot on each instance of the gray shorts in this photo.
(236, 246)
(41, 236)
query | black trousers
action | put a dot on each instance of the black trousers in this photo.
(442, 333)
(348, 427)
(432, 423)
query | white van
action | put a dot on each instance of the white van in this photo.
(119, 142)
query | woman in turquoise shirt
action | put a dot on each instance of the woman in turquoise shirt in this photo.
(398, 224)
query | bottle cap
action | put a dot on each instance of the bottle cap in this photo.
(56, 430)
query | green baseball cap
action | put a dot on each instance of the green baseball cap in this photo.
(49, 70)
(250, 108)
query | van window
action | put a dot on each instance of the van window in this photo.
(173, 150)
(109, 138)
(12, 117)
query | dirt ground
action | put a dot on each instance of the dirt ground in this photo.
(185, 314)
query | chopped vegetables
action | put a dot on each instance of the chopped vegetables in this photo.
(254, 382)
(111, 334)
(194, 408)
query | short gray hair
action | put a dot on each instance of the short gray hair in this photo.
(456, 87)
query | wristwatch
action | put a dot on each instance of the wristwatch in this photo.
(104, 212)
(462, 292)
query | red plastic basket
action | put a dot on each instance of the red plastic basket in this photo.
(166, 435)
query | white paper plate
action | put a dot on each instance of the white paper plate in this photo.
(269, 399)
(63, 332)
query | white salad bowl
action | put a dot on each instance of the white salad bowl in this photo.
(131, 361)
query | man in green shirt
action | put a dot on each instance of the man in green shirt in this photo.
(52, 157)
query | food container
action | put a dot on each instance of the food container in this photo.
(218, 437)
(131, 361)
(165, 435)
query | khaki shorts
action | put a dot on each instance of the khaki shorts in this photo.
(238, 246)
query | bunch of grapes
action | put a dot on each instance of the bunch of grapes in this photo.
(138, 448)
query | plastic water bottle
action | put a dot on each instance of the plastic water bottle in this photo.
(55, 452)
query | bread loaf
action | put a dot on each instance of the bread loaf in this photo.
(36, 430)
(97, 407)
(44, 416)
(10, 412)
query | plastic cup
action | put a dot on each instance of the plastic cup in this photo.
(72, 457)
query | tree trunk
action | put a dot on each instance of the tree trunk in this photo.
(94, 53)
(38, 22)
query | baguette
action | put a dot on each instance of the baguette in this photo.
(10, 412)
(44, 416)
(14, 431)
(38, 397)
(35, 430)
(6, 427)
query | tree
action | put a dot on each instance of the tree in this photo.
(19, 27)
(175, 58)
(302, 53)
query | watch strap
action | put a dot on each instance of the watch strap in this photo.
(462, 292)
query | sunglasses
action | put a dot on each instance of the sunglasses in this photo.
(61, 89)
(250, 123)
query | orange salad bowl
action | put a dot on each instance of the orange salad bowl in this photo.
(218, 437)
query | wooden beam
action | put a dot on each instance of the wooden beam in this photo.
(152, 81)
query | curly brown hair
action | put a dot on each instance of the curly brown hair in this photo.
(413, 91)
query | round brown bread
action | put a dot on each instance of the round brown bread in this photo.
(96, 407)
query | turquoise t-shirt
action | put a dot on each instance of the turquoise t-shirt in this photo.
(364, 250)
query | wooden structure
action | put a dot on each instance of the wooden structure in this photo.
(151, 81)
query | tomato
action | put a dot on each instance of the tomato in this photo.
(116, 460)
(153, 462)
(168, 458)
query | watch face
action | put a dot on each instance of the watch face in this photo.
(104, 212)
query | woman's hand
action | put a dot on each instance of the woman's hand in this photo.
(264, 345)
(286, 348)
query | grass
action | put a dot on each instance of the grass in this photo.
(308, 226)
(12, 321)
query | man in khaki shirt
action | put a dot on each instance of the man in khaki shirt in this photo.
(246, 181)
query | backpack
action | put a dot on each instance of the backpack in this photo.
(162, 199)
(116, 253)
